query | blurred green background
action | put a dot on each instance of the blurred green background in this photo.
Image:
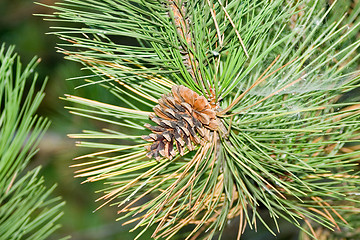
(18, 26)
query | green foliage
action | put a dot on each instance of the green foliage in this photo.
(27, 211)
(275, 70)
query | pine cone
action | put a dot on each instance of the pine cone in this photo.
(183, 118)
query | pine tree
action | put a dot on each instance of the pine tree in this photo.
(223, 107)
(27, 208)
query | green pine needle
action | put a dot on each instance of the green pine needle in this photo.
(27, 209)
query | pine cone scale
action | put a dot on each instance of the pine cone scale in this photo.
(161, 114)
(200, 103)
(205, 119)
(187, 107)
(167, 136)
(178, 137)
(188, 119)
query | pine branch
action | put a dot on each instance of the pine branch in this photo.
(27, 209)
(273, 73)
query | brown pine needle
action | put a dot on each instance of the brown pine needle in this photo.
(241, 224)
(116, 79)
(347, 111)
(120, 172)
(95, 154)
(182, 25)
(331, 219)
(188, 220)
(272, 94)
(262, 179)
(11, 183)
(209, 175)
(120, 190)
(105, 105)
(318, 200)
(164, 218)
(113, 162)
(156, 78)
(257, 82)
(330, 175)
(103, 152)
(336, 213)
(197, 234)
(309, 225)
(126, 85)
(236, 31)
(196, 204)
(143, 207)
(213, 15)
(170, 189)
